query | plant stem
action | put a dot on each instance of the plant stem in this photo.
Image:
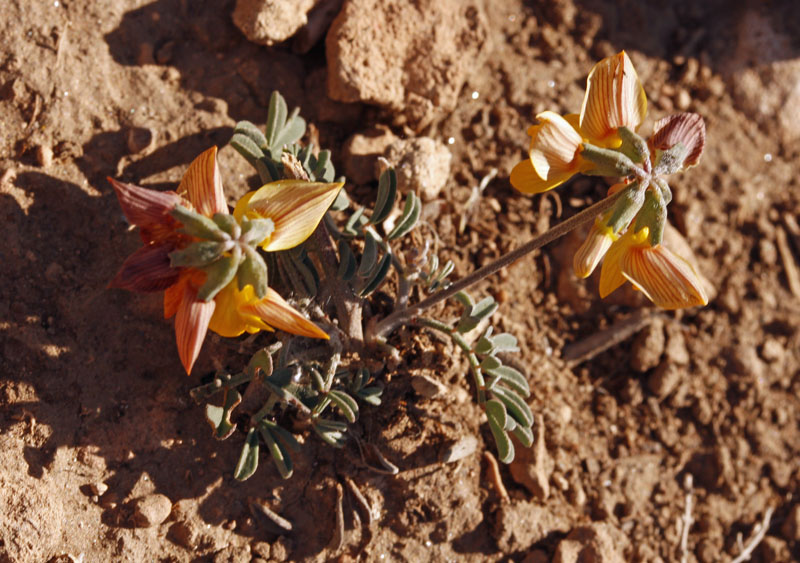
(381, 329)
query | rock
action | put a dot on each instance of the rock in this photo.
(774, 549)
(462, 448)
(595, 543)
(140, 140)
(772, 351)
(532, 467)
(412, 58)
(233, 554)
(268, 22)
(428, 387)
(44, 156)
(98, 489)
(745, 361)
(648, 347)
(151, 510)
(518, 525)
(261, 549)
(281, 549)
(422, 165)
(361, 152)
(664, 379)
(184, 534)
(791, 526)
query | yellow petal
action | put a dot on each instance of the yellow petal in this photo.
(593, 249)
(666, 279)
(202, 184)
(295, 206)
(614, 98)
(525, 179)
(278, 313)
(191, 325)
(555, 147)
(230, 319)
(611, 273)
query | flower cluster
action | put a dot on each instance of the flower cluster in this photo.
(602, 140)
(206, 260)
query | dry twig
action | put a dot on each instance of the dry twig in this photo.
(759, 532)
(687, 519)
(493, 472)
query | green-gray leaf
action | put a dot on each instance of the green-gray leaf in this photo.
(248, 459)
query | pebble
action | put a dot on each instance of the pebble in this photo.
(151, 510)
(676, 351)
(428, 387)
(462, 448)
(184, 534)
(791, 526)
(664, 379)
(772, 351)
(261, 549)
(98, 489)
(683, 100)
(422, 165)
(140, 139)
(648, 347)
(281, 549)
(44, 156)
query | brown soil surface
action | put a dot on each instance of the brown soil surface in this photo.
(92, 393)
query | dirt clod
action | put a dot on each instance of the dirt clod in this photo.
(598, 543)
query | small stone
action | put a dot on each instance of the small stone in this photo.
(462, 448)
(772, 351)
(151, 510)
(428, 387)
(98, 489)
(683, 100)
(268, 22)
(745, 361)
(774, 549)
(233, 554)
(184, 534)
(44, 156)
(281, 549)
(648, 347)
(140, 139)
(361, 152)
(261, 549)
(598, 543)
(791, 526)
(664, 379)
(422, 165)
(676, 351)
(532, 467)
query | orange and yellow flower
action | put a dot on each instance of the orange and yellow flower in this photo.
(614, 98)
(295, 209)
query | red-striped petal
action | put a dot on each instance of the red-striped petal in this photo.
(202, 184)
(143, 207)
(686, 128)
(147, 270)
(191, 325)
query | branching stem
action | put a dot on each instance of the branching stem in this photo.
(381, 329)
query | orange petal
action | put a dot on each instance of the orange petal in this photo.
(611, 273)
(666, 279)
(555, 146)
(147, 270)
(191, 325)
(295, 206)
(278, 313)
(525, 179)
(614, 98)
(593, 249)
(144, 207)
(202, 184)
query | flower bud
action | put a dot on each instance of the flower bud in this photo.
(687, 129)
(591, 252)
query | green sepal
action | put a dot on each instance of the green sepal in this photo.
(197, 255)
(607, 162)
(199, 226)
(227, 223)
(497, 416)
(670, 161)
(248, 459)
(409, 218)
(377, 278)
(255, 231)
(220, 417)
(219, 274)
(633, 146)
(347, 262)
(626, 208)
(653, 215)
(253, 271)
(387, 193)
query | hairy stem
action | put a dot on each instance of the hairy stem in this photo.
(381, 329)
